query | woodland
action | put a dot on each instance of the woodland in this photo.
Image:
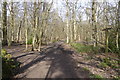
(73, 39)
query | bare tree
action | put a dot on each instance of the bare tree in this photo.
(4, 22)
(25, 23)
(118, 27)
(94, 7)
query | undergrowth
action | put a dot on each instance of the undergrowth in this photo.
(85, 48)
(8, 64)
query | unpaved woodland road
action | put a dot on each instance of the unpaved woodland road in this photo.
(54, 61)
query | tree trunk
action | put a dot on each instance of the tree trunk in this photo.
(19, 32)
(68, 32)
(94, 21)
(117, 34)
(4, 22)
(117, 40)
(106, 41)
(33, 41)
(75, 30)
(1, 36)
(26, 38)
(71, 33)
(12, 21)
(68, 39)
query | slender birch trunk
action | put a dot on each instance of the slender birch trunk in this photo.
(117, 34)
(68, 40)
(25, 24)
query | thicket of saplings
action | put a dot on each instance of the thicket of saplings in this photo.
(100, 48)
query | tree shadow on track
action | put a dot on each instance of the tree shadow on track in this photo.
(62, 66)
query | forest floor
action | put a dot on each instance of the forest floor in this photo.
(59, 60)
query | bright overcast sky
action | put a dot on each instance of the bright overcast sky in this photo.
(60, 0)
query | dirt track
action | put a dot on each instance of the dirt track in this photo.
(54, 61)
